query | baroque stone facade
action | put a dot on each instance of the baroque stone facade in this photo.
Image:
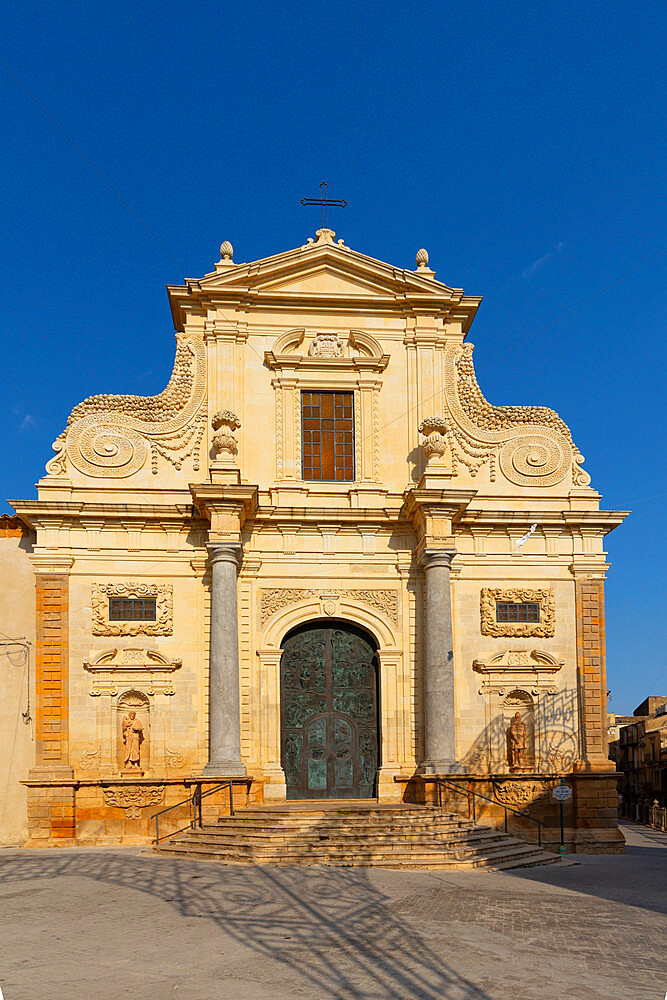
(322, 474)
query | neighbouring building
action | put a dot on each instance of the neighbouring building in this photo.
(319, 563)
(640, 754)
(615, 723)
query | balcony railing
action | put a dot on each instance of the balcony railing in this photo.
(646, 812)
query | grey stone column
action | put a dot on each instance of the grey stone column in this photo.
(224, 705)
(440, 718)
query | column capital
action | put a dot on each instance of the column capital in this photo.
(224, 552)
(437, 557)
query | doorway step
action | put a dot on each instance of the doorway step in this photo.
(362, 833)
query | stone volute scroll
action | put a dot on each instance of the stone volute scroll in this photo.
(116, 436)
(526, 445)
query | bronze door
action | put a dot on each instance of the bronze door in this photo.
(328, 714)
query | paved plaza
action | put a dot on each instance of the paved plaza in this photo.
(102, 924)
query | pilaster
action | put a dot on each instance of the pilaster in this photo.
(52, 666)
(591, 663)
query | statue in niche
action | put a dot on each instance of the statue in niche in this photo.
(517, 745)
(133, 737)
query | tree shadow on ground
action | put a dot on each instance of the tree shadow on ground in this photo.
(330, 926)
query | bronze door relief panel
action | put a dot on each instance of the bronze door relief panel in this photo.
(328, 713)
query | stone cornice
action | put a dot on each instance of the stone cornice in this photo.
(446, 502)
(302, 363)
(370, 517)
(590, 522)
(43, 513)
(51, 562)
(210, 497)
(379, 286)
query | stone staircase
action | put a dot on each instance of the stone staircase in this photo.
(354, 834)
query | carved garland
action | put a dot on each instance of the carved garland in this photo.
(543, 596)
(164, 606)
(383, 601)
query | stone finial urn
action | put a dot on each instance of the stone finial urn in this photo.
(223, 469)
(435, 431)
(224, 422)
(435, 448)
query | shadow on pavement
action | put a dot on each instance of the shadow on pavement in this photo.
(331, 926)
(636, 878)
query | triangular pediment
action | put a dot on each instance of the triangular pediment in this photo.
(326, 277)
(319, 272)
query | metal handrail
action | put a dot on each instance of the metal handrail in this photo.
(470, 792)
(195, 803)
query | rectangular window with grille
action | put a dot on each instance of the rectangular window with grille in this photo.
(522, 611)
(132, 609)
(327, 436)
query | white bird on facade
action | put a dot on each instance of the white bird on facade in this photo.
(524, 538)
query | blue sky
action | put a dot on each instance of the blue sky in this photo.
(522, 144)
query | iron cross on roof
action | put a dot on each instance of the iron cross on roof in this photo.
(324, 203)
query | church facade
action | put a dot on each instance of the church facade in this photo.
(319, 563)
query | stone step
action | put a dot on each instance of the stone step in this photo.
(315, 838)
(351, 820)
(354, 834)
(505, 856)
(393, 847)
(368, 829)
(419, 818)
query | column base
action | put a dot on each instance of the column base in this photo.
(441, 767)
(388, 788)
(225, 769)
(275, 787)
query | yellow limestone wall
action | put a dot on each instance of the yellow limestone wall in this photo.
(116, 509)
(17, 677)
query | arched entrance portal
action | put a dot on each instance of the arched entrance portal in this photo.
(328, 712)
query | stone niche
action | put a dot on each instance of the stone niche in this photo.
(523, 681)
(124, 680)
(518, 707)
(137, 702)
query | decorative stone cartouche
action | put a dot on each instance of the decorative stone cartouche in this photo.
(326, 345)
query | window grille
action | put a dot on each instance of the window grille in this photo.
(523, 611)
(132, 609)
(327, 436)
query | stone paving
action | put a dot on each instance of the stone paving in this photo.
(102, 924)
